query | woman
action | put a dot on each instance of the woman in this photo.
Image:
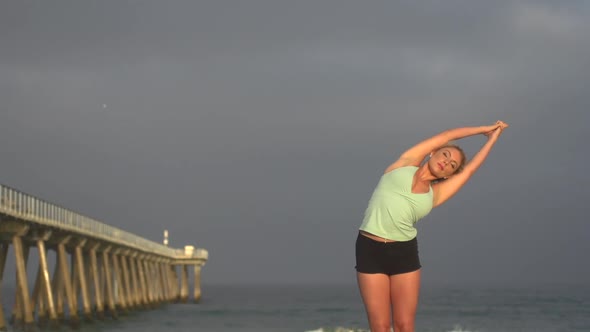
(387, 263)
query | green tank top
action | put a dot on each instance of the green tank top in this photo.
(393, 208)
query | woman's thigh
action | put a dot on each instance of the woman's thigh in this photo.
(405, 289)
(375, 291)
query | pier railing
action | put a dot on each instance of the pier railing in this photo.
(35, 210)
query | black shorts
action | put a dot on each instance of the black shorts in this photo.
(387, 258)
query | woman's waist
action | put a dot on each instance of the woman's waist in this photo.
(375, 237)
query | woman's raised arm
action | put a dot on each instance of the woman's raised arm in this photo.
(415, 154)
(446, 189)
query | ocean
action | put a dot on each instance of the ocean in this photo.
(338, 308)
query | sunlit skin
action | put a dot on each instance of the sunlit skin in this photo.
(395, 298)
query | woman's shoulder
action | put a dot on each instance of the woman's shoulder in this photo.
(401, 163)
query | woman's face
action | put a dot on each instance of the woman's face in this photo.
(445, 161)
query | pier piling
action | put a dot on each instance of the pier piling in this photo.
(3, 254)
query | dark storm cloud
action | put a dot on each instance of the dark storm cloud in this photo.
(258, 129)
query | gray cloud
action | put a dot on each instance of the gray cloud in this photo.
(257, 130)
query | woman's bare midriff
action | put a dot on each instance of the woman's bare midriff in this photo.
(375, 237)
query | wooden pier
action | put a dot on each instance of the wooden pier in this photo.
(97, 270)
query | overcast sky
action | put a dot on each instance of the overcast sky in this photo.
(258, 129)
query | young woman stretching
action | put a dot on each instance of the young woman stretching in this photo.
(387, 262)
